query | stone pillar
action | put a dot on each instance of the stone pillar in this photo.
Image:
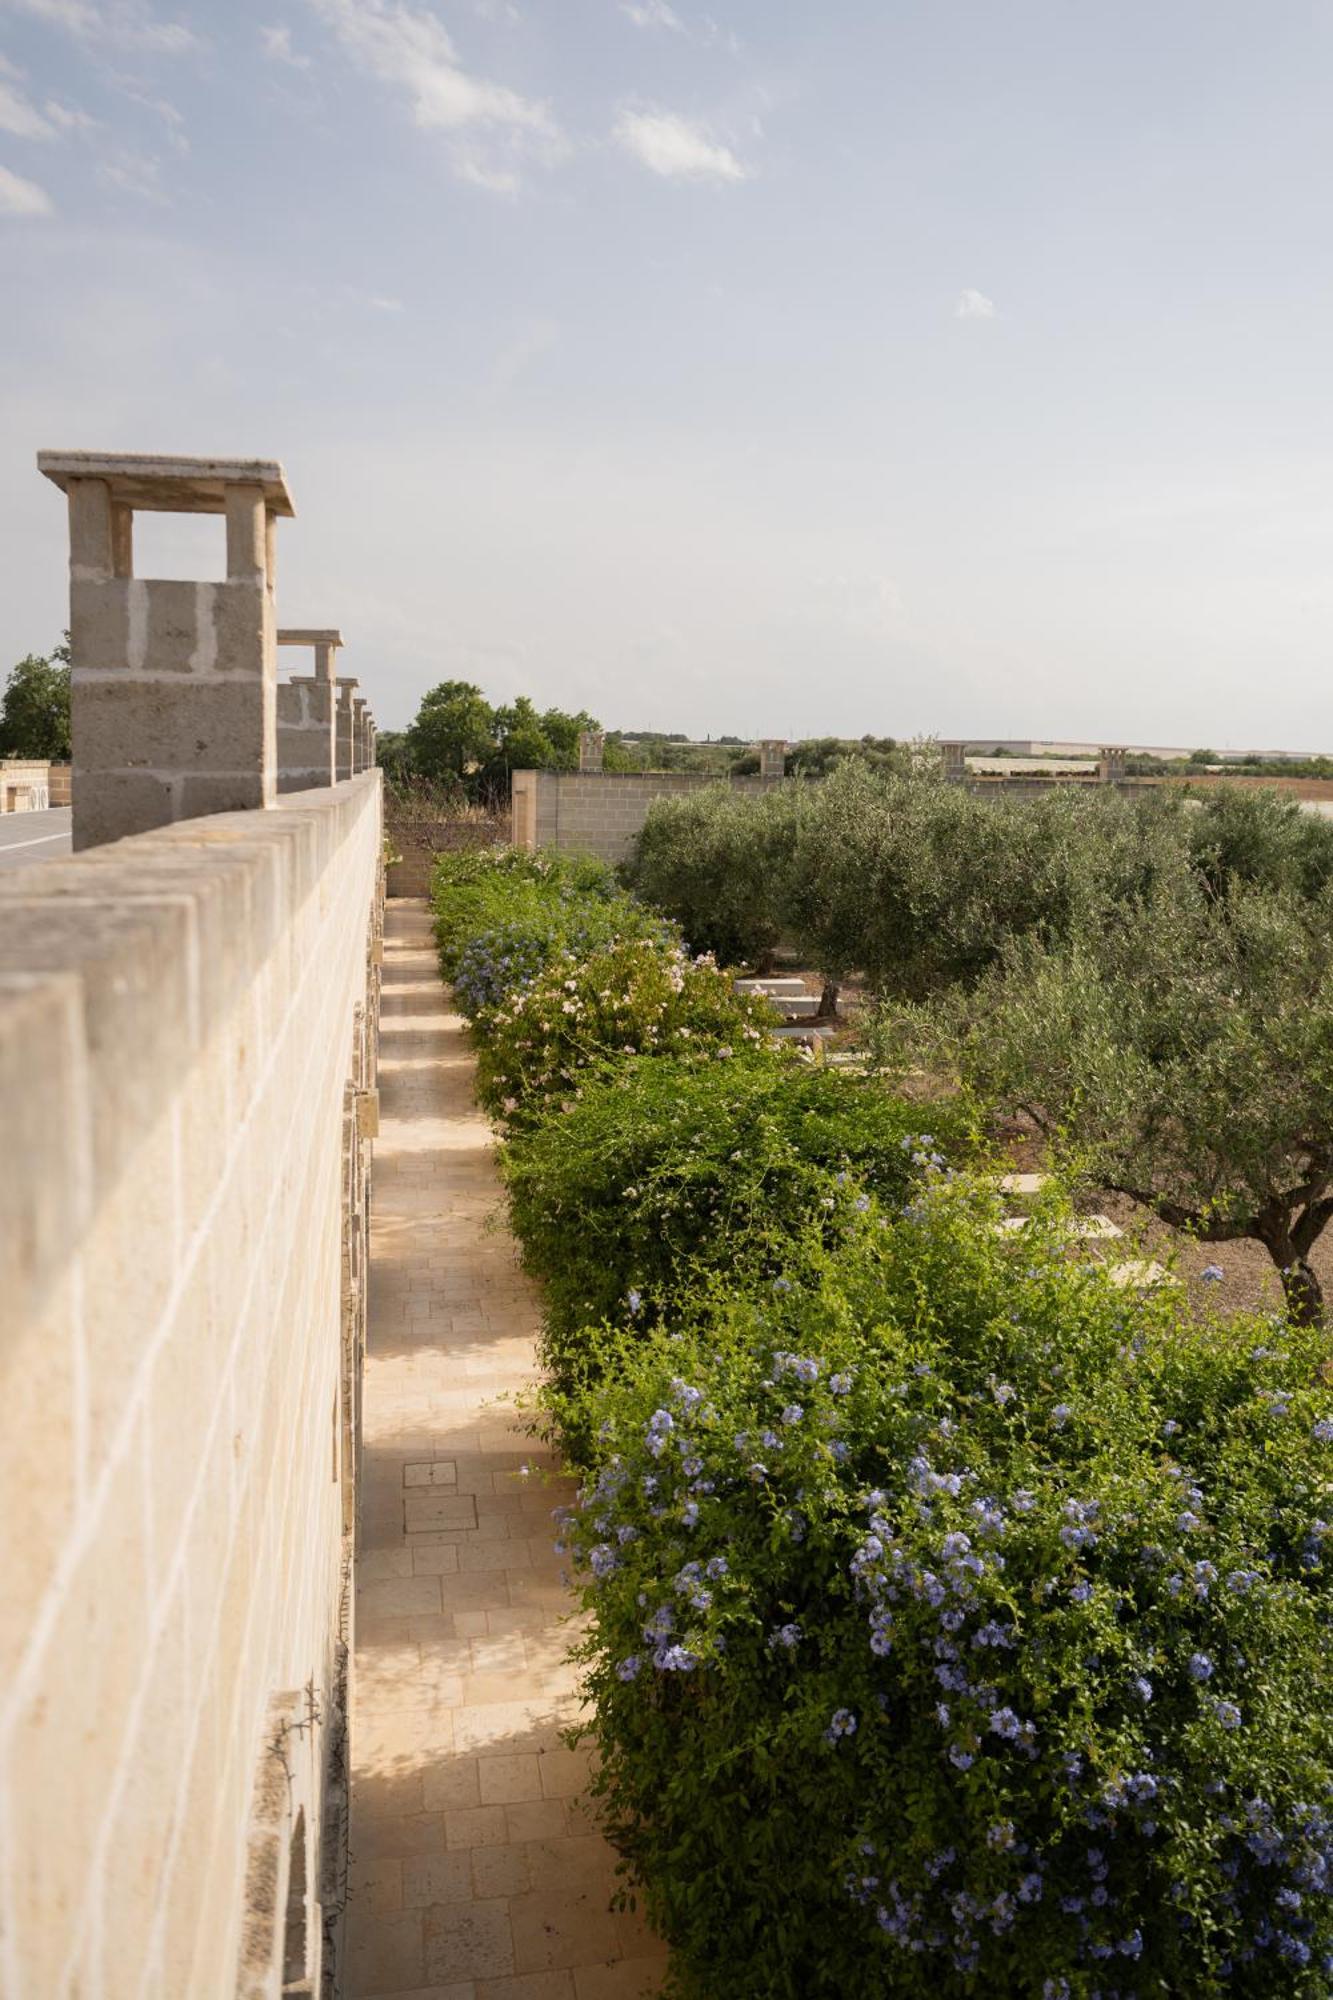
(773, 757)
(307, 729)
(172, 690)
(592, 747)
(955, 761)
(1111, 765)
(360, 712)
(346, 752)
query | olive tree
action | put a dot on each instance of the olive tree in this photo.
(1184, 1046)
(716, 860)
(920, 885)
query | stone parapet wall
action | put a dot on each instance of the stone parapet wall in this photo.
(187, 1036)
(601, 812)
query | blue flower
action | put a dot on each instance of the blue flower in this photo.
(793, 1413)
(843, 1723)
(1228, 1714)
(961, 1759)
(1213, 1273)
(628, 1669)
(841, 1386)
(635, 1301)
(1323, 1430)
(674, 1660)
(788, 1636)
(1200, 1667)
(1142, 1687)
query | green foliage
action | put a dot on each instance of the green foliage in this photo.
(959, 1626)
(667, 1170)
(915, 883)
(1261, 838)
(460, 739)
(393, 756)
(471, 892)
(1186, 1048)
(957, 1623)
(34, 712)
(715, 860)
(451, 733)
(502, 916)
(579, 1015)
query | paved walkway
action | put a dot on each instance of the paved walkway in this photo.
(476, 1872)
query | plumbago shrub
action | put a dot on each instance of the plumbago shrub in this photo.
(670, 1168)
(636, 998)
(500, 917)
(959, 1626)
(472, 891)
(496, 963)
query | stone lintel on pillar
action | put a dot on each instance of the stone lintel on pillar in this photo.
(148, 484)
(325, 640)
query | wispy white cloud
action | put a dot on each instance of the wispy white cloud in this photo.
(974, 305)
(675, 147)
(121, 24)
(276, 43)
(659, 15)
(22, 198)
(19, 116)
(653, 14)
(68, 117)
(386, 305)
(496, 132)
(133, 173)
(161, 107)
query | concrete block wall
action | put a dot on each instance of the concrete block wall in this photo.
(187, 1027)
(600, 812)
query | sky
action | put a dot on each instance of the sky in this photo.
(761, 367)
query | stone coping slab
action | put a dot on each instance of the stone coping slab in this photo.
(170, 485)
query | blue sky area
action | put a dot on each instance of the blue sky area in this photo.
(960, 366)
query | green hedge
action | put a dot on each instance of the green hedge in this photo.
(582, 1014)
(960, 1627)
(668, 1169)
(503, 916)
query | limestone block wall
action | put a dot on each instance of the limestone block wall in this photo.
(599, 812)
(25, 784)
(187, 1032)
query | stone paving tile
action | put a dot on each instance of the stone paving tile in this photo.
(477, 1873)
